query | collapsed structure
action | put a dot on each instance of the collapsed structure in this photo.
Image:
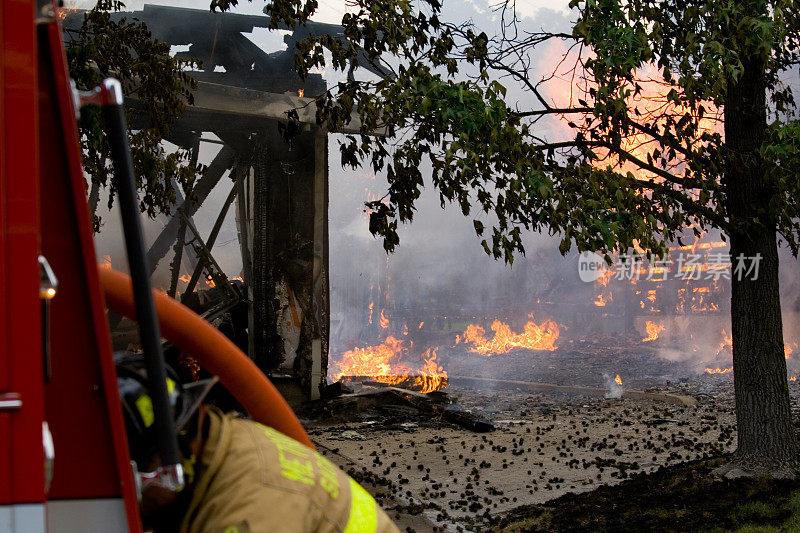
(279, 311)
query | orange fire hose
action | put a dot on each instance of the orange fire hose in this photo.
(213, 351)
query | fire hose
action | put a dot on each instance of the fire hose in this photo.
(213, 351)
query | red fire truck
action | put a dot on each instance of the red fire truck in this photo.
(64, 462)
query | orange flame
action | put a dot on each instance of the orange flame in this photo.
(432, 374)
(371, 305)
(653, 330)
(788, 348)
(383, 363)
(650, 103)
(719, 370)
(727, 342)
(384, 320)
(186, 278)
(533, 337)
(618, 380)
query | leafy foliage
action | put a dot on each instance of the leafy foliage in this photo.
(628, 175)
(127, 51)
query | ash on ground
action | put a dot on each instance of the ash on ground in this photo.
(434, 475)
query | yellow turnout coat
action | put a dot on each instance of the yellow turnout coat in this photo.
(253, 479)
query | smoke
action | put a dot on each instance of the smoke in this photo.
(614, 388)
(439, 271)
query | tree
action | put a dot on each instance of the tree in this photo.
(99, 48)
(628, 175)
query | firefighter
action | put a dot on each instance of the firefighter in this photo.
(242, 477)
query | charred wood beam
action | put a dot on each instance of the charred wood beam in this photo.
(243, 218)
(179, 244)
(216, 273)
(250, 108)
(176, 260)
(212, 238)
(211, 177)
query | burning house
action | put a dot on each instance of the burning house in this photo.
(277, 307)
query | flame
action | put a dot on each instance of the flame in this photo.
(605, 277)
(384, 320)
(650, 104)
(432, 374)
(371, 361)
(383, 363)
(788, 348)
(421, 324)
(727, 342)
(371, 305)
(719, 370)
(62, 12)
(210, 282)
(106, 262)
(600, 302)
(793, 378)
(405, 329)
(618, 380)
(653, 330)
(186, 278)
(542, 337)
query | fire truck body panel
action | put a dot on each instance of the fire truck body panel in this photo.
(71, 386)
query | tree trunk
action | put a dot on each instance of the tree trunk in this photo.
(766, 440)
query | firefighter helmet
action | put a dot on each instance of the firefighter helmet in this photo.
(137, 406)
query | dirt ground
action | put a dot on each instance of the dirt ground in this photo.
(433, 476)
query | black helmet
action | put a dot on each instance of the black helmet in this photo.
(137, 406)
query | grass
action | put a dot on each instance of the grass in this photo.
(767, 516)
(685, 497)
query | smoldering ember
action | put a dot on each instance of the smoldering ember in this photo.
(513, 266)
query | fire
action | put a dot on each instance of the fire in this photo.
(107, 262)
(793, 378)
(210, 282)
(371, 361)
(300, 92)
(653, 330)
(421, 324)
(186, 278)
(384, 320)
(432, 375)
(788, 348)
(62, 12)
(727, 342)
(383, 363)
(405, 329)
(600, 301)
(542, 337)
(650, 103)
(618, 380)
(371, 305)
(719, 370)
(605, 277)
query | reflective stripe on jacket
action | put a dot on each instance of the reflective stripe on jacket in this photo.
(254, 479)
